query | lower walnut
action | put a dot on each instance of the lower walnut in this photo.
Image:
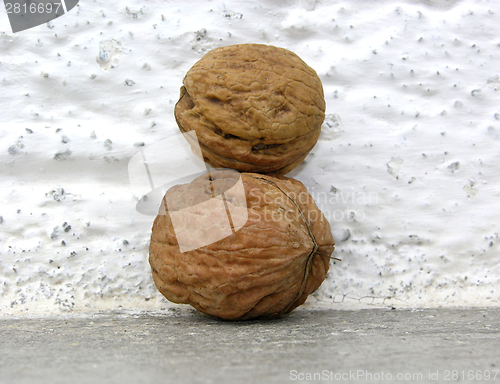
(268, 266)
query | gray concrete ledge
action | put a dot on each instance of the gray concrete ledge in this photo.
(183, 346)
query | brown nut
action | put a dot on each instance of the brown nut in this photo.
(254, 107)
(267, 268)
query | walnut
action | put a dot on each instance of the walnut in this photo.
(254, 107)
(267, 267)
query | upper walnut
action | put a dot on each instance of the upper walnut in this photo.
(254, 108)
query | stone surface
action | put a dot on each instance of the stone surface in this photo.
(183, 346)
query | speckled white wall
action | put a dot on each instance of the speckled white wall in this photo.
(406, 169)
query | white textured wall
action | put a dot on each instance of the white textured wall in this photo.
(407, 169)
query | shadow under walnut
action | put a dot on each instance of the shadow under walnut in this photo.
(254, 108)
(267, 268)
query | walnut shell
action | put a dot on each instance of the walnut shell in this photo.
(266, 268)
(254, 107)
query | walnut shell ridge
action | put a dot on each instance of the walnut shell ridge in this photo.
(267, 268)
(254, 107)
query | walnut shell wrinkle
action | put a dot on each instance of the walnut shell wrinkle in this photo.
(267, 267)
(254, 107)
